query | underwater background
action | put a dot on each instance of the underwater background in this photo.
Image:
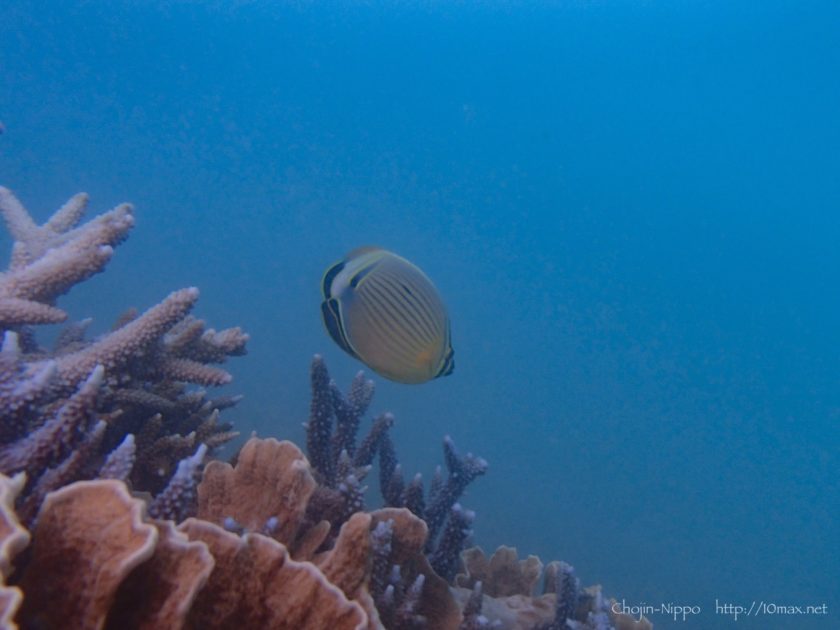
(631, 209)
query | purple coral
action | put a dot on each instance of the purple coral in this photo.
(50, 443)
(120, 461)
(442, 497)
(561, 579)
(177, 501)
(340, 466)
(319, 426)
(338, 463)
(446, 555)
(65, 415)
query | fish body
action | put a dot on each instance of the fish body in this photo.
(383, 310)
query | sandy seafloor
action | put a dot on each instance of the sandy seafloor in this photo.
(632, 210)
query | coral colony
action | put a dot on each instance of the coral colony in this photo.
(113, 513)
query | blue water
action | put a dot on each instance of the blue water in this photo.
(632, 210)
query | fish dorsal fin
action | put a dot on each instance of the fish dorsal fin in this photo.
(361, 251)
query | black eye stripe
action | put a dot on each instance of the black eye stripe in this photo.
(326, 284)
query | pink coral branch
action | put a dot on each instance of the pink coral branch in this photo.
(20, 224)
(68, 215)
(16, 311)
(118, 348)
(194, 372)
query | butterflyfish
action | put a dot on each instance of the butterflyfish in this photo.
(383, 310)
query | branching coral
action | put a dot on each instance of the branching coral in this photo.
(407, 591)
(48, 260)
(340, 467)
(63, 412)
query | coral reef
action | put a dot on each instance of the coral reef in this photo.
(66, 553)
(340, 466)
(501, 591)
(140, 572)
(266, 492)
(111, 517)
(117, 406)
(13, 539)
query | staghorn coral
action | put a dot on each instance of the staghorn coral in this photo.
(458, 530)
(339, 474)
(341, 466)
(120, 461)
(59, 435)
(178, 499)
(473, 619)
(48, 260)
(408, 593)
(63, 412)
